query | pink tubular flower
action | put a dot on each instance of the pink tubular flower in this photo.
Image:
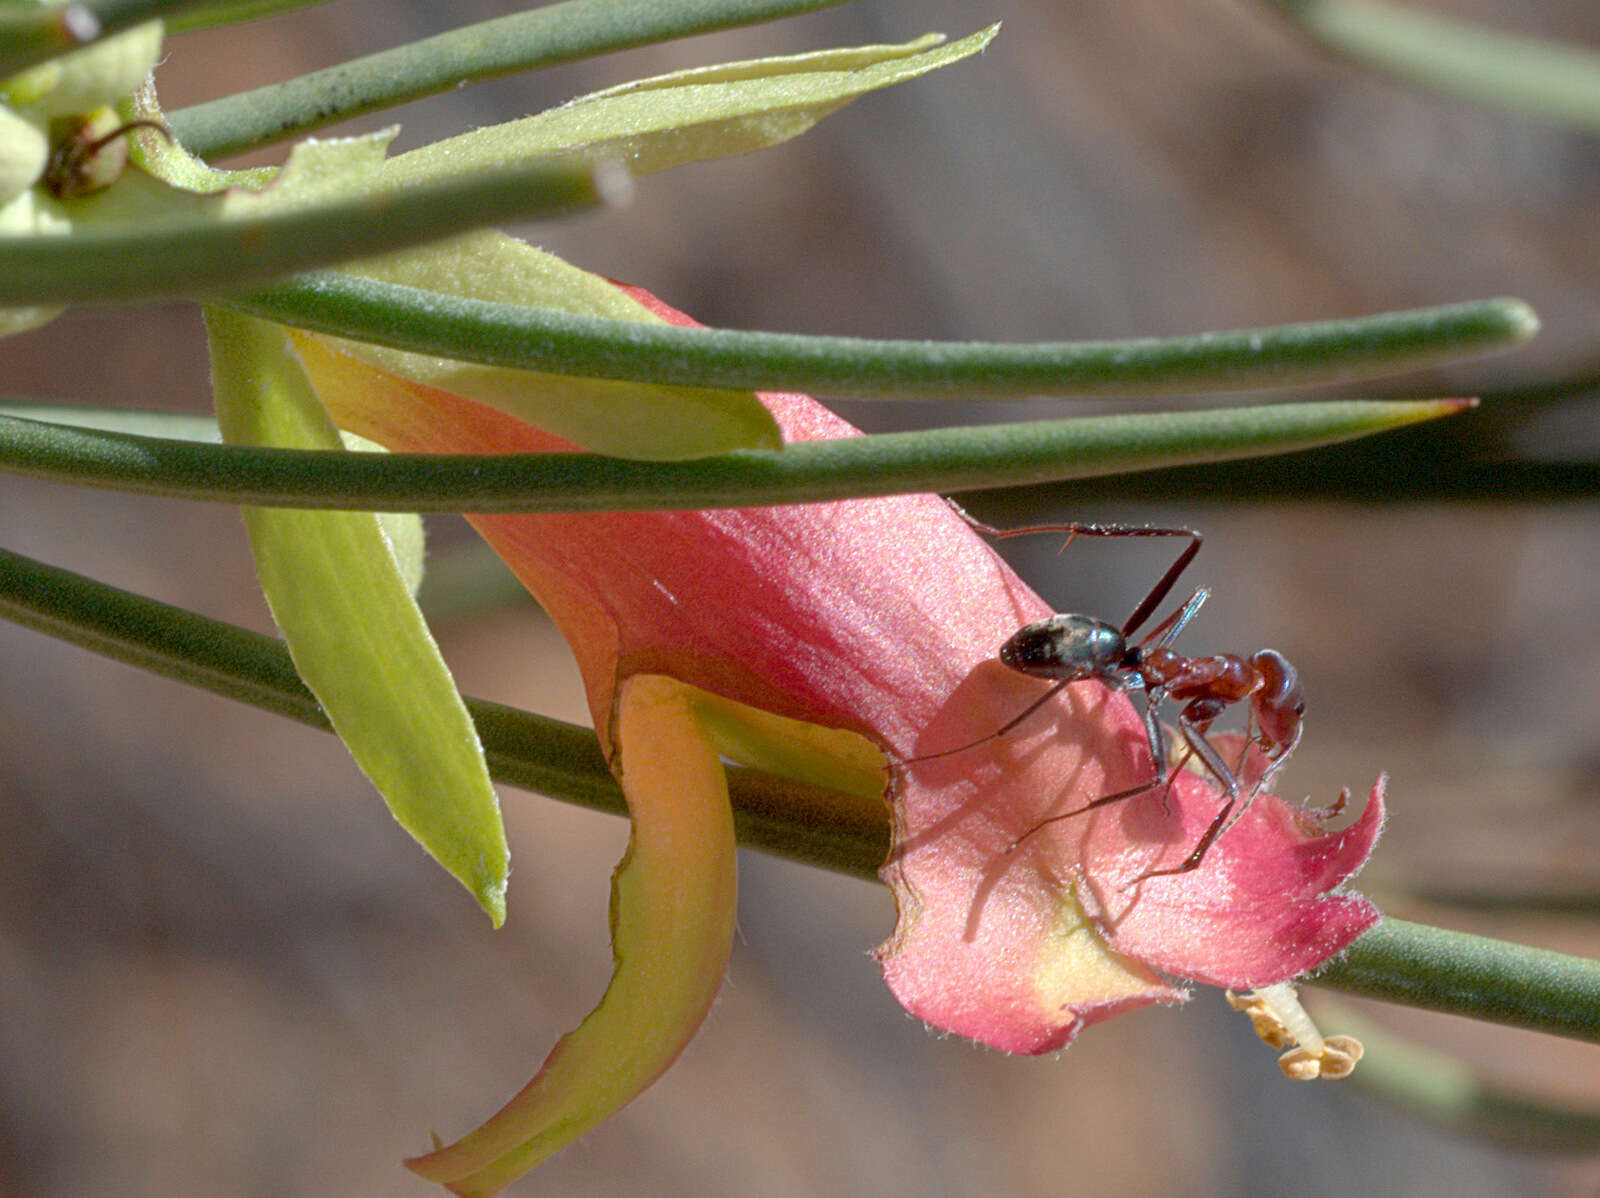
(881, 618)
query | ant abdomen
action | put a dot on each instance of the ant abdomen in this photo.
(1065, 648)
(1279, 705)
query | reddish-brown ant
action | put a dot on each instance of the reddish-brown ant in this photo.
(1067, 648)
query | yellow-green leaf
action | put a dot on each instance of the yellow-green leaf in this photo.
(357, 637)
(712, 112)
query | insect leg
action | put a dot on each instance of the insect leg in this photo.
(1074, 529)
(1158, 754)
(1195, 722)
(1022, 715)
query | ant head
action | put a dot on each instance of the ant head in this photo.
(1065, 648)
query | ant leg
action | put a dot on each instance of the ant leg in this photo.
(1164, 633)
(1218, 826)
(998, 732)
(1278, 761)
(1074, 529)
(1233, 810)
(1102, 801)
(1158, 757)
(1195, 724)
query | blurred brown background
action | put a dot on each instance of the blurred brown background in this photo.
(224, 971)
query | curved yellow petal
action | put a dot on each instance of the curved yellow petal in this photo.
(672, 914)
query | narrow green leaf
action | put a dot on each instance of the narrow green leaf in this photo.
(1461, 974)
(710, 112)
(541, 37)
(956, 459)
(198, 253)
(474, 330)
(624, 419)
(356, 635)
(1546, 80)
(1497, 454)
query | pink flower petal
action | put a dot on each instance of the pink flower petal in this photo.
(1258, 911)
(883, 617)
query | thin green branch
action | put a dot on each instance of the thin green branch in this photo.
(541, 37)
(953, 459)
(1546, 80)
(1460, 974)
(1397, 961)
(847, 367)
(805, 823)
(186, 256)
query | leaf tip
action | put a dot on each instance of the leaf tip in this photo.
(1520, 320)
(1433, 409)
(1394, 414)
(491, 897)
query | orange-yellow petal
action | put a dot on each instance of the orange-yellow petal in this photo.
(672, 924)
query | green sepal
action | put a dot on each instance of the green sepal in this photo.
(356, 635)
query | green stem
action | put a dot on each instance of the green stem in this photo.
(803, 823)
(541, 37)
(1397, 961)
(847, 367)
(952, 459)
(1460, 974)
